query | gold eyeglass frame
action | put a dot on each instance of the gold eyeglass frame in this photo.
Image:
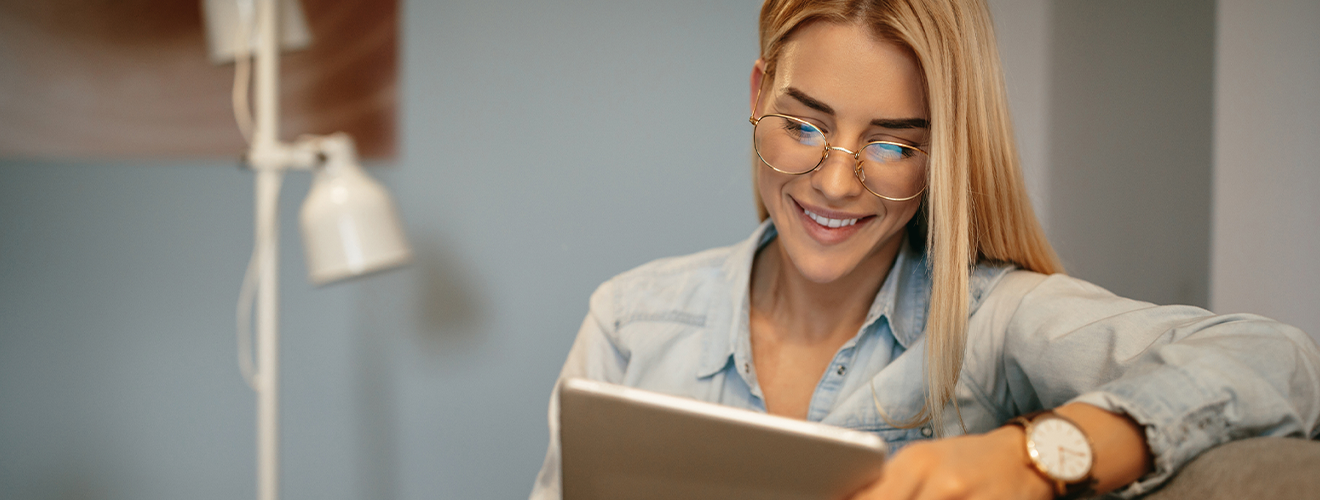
(825, 154)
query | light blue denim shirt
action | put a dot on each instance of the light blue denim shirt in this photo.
(1193, 379)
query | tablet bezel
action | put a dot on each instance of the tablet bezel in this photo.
(622, 442)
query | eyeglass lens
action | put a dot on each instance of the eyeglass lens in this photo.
(796, 147)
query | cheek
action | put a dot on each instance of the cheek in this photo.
(769, 188)
(904, 212)
(894, 218)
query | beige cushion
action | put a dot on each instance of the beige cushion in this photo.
(1266, 467)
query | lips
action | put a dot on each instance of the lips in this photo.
(828, 222)
(830, 227)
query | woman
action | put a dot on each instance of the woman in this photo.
(900, 284)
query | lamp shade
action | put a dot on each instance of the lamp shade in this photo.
(223, 18)
(350, 226)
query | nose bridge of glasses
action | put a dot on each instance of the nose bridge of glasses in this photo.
(855, 156)
(852, 161)
(830, 146)
(845, 150)
(831, 180)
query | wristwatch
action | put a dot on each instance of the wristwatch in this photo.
(1059, 450)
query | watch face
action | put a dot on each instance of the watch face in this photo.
(1060, 448)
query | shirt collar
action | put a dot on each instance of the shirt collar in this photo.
(911, 306)
(909, 283)
(732, 319)
(902, 299)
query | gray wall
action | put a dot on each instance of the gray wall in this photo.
(1267, 161)
(1131, 102)
(545, 148)
(1024, 29)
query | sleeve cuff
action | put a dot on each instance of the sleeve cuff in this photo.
(1174, 434)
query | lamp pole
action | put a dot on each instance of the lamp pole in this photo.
(362, 210)
(269, 166)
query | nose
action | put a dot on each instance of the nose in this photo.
(836, 178)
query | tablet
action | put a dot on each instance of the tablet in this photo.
(623, 443)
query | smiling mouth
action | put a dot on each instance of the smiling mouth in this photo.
(828, 222)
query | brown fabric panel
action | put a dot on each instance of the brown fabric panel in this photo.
(131, 79)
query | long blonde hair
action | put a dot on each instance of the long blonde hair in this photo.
(976, 205)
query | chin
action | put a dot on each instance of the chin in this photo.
(824, 273)
(819, 267)
(827, 264)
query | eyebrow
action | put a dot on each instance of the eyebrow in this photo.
(808, 101)
(901, 123)
(889, 123)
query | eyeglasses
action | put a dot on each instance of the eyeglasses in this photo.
(791, 145)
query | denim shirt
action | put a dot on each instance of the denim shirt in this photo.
(1191, 378)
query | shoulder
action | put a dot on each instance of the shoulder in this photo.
(1056, 305)
(1029, 289)
(1065, 303)
(658, 316)
(680, 269)
(680, 289)
(1007, 298)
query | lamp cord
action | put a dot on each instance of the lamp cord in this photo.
(247, 292)
(245, 299)
(243, 117)
(243, 69)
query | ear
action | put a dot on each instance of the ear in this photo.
(758, 74)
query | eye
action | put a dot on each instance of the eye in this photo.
(886, 152)
(804, 133)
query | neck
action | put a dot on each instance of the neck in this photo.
(807, 311)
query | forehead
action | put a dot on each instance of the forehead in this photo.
(846, 67)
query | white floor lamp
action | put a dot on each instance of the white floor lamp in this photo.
(350, 226)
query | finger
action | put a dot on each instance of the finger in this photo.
(943, 487)
(867, 492)
(900, 478)
(897, 488)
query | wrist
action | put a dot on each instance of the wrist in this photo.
(1013, 440)
(1060, 451)
(1121, 453)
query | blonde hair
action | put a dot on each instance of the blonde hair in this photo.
(976, 207)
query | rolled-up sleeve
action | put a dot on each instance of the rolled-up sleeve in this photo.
(1191, 378)
(596, 354)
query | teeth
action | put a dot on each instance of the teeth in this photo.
(828, 222)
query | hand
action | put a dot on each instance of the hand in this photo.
(985, 466)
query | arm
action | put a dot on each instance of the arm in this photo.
(1190, 379)
(596, 354)
(1152, 387)
(1121, 454)
(995, 464)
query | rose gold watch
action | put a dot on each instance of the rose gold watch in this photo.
(1060, 451)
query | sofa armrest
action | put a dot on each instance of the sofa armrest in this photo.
(1264, 467)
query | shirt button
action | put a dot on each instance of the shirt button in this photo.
(841, 370)
(747, 368)
(927, 431)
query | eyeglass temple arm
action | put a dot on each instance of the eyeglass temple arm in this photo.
(753, 119)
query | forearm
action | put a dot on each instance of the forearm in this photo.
(1120, 451)
(1192, 380)
(1119, 447)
